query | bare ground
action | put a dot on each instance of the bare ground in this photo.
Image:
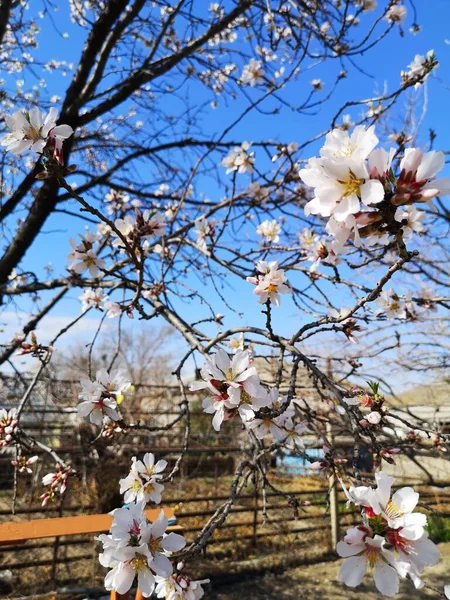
(319, 582)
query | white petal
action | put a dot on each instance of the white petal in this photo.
(123, 580)
(146, 582)
(62, 131)
(345, 550)
(218, 418)
(346, 207)
(353, 570)
(372, 192)
(431, 163)
(386, 579)
(162, 565)
(406, 499)
(222, 360)
(173, 542)
(159, 526)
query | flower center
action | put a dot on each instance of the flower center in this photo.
(245, 397)
(351, 185)
(154, 545)
(272, 288)
(373, 555)
(33, 134)
(139, 562)
(393, 511)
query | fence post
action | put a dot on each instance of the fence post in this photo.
(255, 515)
(333, 499)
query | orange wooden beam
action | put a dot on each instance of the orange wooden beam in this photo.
(20, 531)
(115, 596)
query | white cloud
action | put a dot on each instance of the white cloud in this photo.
(12, 323)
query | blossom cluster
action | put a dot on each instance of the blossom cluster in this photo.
(391, 541)
(100, 396)
(57, 483)
(143, 227)
(142, 482)
(30, 130)
(370, 404)
(270, 282)
(8, 426)
(179, 587)
(356, 188)
(233, 385)
(283, 428)
(420, 68)
(117, 201)
(137, 548)
(235, 389)
(239, 159)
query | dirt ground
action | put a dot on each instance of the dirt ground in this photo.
(319, 582)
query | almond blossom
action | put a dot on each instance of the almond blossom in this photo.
(91, 298)
(391, 528)
(236, 344)
(308, 239)
(179, 587)
(205, 230)
(396, 511)
(270, 284)
(239, 159)
(233, 387)
(253, 73)
(416, 182)
(142, 483)
(339, 186)
(361, 552)
(30, 130)
(100, 396)
(83, 256)
(391, 305)
(357, 146)
(396, 13)
(270, 231)
(414, 220)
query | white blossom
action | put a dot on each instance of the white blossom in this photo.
(396, 13)
(270, 284)
(93, 298)
(30, 130)
(270, 231)
(253, 73)
(233, 387)
(239, 159)
(391, 305)
(142, 483)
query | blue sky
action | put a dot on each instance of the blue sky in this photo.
(378, 69)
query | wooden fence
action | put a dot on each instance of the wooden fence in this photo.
(248, 533)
